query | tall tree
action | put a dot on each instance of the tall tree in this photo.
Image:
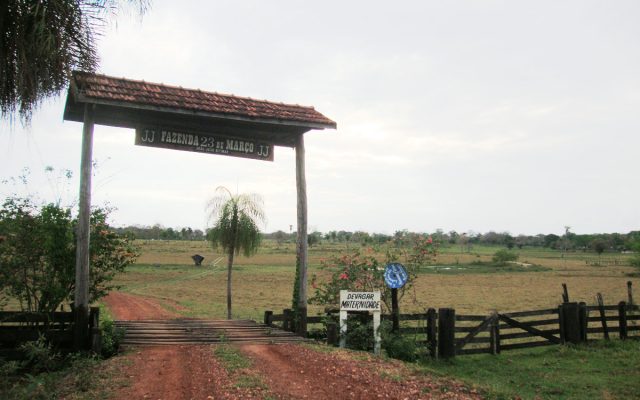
(236, 219)
(42, 42)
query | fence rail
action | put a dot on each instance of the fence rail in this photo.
(443, 333)
(58, 328)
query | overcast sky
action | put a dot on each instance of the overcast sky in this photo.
(518, 116)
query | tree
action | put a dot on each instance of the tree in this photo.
(235, 229)
(37, 255)
(502, 257)
(314, 238)
(599, 246)
(42, 42)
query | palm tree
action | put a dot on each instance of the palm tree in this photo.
(42, 42)
(235, 229)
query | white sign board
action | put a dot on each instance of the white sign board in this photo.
(360, 301)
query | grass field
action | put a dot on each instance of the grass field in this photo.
(464, 281)
(265, 281)
(600, 370)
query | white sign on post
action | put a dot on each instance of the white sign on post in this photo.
(360, 301)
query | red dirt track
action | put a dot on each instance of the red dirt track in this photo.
(129, 307)
(285, 371)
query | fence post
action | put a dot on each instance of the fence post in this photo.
(332, 333)
(94, 330)
(563, 338)
(622, 317)
(570, 317)
(432, 340)
(268, 318)
(495, 335)
(80, 328)
(603, 316)
(446, 332)
(286, 319)
(565, 293)
(583, 316)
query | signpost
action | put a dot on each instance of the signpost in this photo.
(360, 301)
(395, 276)
(203, 143)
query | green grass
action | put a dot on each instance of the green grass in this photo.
(480, 267)
(231, 358)
(599, 370)
(237, 366)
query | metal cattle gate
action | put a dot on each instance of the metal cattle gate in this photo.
(201, 331)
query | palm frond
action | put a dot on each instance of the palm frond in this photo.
(235, 221)
(42, 42)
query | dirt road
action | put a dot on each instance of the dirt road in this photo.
(286, 371)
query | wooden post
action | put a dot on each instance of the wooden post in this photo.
(301, 254)
(495, 335)
(570, 316)
(622, 319)
(583, 317)
(332, 333)
(81, 295)
(446, 332)
(565, 293)
(286, 319)
(395, 311)
(268, 318)
(94, 328)
(603, 316)
(563, 336)
(630, 293)
(432, 340)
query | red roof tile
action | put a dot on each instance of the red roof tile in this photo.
(106, 88)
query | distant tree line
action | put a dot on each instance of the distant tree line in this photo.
(569, 241)
(159, 232)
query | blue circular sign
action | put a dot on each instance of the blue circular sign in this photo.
(395, 276)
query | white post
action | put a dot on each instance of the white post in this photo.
(343, 329)
(376, 332)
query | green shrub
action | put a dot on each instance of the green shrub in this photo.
(40, 356)
(111, 337)
(400, 347)
(635, 261)
(359, 334)
(503, 256)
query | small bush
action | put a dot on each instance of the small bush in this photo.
(635, 261)
(359, 334)
(503, 256)
(8, 368)
(40, 356)
(400, 347)
(111, 337)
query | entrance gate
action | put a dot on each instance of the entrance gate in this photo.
(191, 120)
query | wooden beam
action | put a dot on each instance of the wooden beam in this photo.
(533, 331)
(84, 214)
(301, 254)
(81, 297)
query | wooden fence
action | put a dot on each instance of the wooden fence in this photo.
(445, 334)
(57, 328)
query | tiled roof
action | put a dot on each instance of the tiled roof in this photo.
(140, 93)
